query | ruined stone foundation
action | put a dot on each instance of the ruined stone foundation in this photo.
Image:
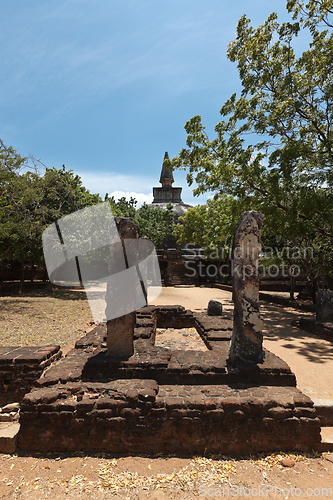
(160, 400)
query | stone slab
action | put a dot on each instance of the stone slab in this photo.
(219, 335)
(21, 367)
(94, 338)
(29, 354)
(4, 350)
(326, 440)
(205, 323)
(8, 437)
(324, 409)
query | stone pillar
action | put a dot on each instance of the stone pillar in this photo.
(324, 305)
(246, 341)
(119, 339)
(120, 330)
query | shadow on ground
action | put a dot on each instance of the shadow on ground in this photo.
(58, 293)
(278, 326)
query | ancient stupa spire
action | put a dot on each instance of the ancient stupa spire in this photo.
(166, 178)
(167, 193)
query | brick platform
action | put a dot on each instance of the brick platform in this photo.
(140, 416)
(20, 367)
(159, 400)
(89, 360)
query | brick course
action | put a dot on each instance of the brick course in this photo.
(140, 416)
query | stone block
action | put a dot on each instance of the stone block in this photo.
(120, 334)
(214, 308)
(10, 407)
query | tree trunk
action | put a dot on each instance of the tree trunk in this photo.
(32, 272)
(292, 287)
(22, 277)
(314, 288)
(46, 276)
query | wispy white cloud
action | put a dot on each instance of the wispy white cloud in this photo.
(112, 182)
(140, 197)
(138, 187)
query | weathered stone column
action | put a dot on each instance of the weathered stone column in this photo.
(246, 341)
(120, 330)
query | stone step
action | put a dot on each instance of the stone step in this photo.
(324, 409)
(326, 439)
(8, 436)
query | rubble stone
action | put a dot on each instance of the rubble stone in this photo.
(214, 308)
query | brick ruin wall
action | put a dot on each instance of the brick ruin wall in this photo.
(20, 367)
(163, 400)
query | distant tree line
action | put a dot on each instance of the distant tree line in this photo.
(30, 201)
(154, 223)
(32, 198)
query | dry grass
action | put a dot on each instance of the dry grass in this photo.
(44, 318)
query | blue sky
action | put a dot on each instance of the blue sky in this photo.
(106, 86)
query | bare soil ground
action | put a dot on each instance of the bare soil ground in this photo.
(61, 318)
(80, 476)
(180, 339)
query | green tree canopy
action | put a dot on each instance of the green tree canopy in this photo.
(209, 225)
(30, 201)
(155, 223)
(285, 106)
(122, 207)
